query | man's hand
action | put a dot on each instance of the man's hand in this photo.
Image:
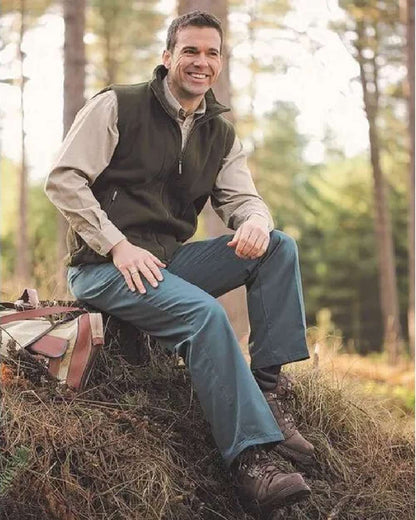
(252, 238)
(131, 260)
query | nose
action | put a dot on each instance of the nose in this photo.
(200, 60)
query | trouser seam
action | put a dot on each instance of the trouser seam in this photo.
(268, 326)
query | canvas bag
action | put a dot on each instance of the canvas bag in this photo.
(68, 345)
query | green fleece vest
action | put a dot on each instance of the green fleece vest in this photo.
(152, 190)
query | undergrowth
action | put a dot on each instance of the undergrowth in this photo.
(135, 446)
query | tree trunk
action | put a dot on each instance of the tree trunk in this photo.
(74, 85)
(384, 237)
(411, 101)
(110, 62)
(234, 302)
(22, 262)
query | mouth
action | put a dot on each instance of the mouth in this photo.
(198, 75)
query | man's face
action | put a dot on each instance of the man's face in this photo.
(195, 62)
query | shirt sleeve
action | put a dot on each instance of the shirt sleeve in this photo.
(85, 152)
(234, 196)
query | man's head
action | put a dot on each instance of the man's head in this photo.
(195, 19)
(193, 56)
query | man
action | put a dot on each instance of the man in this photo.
(133, 173)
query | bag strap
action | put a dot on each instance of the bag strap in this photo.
(38, 313)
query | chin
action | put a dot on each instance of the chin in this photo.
(197, 91)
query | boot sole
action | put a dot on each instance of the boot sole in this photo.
(287, 497)
(307, 461)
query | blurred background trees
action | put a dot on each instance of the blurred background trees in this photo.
(351, 214)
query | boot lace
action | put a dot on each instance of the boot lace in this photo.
(284, 398)
(257, 465)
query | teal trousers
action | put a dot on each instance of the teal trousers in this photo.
(182, 313)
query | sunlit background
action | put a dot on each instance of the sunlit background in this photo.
(297, 95)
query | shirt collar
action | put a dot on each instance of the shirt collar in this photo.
(174, 103)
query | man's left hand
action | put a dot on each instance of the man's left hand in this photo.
(252, 238)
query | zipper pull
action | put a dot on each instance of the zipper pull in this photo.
(180, 166)
(114, 196)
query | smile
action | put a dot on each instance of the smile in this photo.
(197, 75)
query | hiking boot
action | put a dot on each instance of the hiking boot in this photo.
(294, 447)
(261, 485)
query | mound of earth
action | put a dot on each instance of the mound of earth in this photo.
(135, 446)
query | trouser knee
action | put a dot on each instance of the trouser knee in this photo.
(210, 312)
(211, 335)
(286, 244)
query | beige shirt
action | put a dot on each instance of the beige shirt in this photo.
(87, 150)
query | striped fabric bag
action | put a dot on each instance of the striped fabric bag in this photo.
(69, 345)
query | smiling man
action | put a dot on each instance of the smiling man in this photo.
(132, 176)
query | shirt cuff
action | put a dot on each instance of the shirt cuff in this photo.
(267, 218)
(103, 241)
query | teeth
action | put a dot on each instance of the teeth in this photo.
(199, 76)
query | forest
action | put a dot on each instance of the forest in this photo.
(322, 97)
(351, 213)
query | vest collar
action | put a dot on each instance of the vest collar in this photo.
(213, 107)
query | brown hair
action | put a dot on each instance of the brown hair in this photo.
(194, 18)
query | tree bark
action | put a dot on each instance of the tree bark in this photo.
(234, 302)
(411, 102)
(22, 262)
(74, 85)
(384, 237)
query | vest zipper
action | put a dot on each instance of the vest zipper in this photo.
(113, 198)
(182, 152)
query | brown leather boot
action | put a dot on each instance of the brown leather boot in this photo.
(261, 485)
(294, 447)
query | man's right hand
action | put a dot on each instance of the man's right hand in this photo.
(132, 261)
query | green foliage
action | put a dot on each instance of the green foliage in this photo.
(8, 196)
(124, 47)
(12, 468)
(42, 228)
(42, 242)
(8, 216)
(328, 209)
(33, 8)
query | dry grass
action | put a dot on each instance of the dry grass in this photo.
(135, 446)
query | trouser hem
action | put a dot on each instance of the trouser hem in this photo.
(241, 446)
(279, 360)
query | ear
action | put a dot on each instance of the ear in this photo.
(166, 58)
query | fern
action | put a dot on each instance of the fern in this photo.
(14, 465)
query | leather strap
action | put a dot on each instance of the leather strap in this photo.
(38, 313)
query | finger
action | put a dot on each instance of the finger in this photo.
(256, 250)
(147, 273)
(138, 282)
(127, 276)
(265, 244)
(234, 241)
(251, 240)
(154, 268)
(244, 244)
(157, 261)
